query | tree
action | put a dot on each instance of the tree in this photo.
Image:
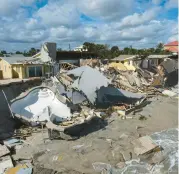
(102, 50)
(152, 50)
(59, 49)
(3, 52)
(18, 52)
(26, 54)
(115, 51)
(126, 50)
(32, 51)
(160, 46)
(133, 51)
(90, 46)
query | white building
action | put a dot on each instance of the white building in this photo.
(80, 48)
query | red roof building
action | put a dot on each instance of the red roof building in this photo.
(174, 43)
(172, 46)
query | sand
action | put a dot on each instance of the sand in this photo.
(111, 144)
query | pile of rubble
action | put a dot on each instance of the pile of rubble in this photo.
(7, 162)
(78, 100)
(83, 94)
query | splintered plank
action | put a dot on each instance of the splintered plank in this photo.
(144, 145)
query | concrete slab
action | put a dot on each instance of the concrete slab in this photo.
(5, 163)
(4, 150)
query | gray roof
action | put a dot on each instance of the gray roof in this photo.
(158, 56)
(124, 57)
(16, 58)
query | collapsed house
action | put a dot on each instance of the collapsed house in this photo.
(78, 95)
(167, 74)
(95, 87)
(169, 70)
(73, 100)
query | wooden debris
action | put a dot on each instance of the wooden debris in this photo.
(12, 142)
(144, 145)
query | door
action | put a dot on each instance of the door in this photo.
(34, 71)
(38, 71)
(31, 71)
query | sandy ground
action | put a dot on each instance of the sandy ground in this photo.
(111, 144)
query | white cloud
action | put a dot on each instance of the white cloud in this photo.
(171, 4)
(174, 33)
(91, 33)
(59, 21)
(173, 38)
(33, 24)
(57, 13)
(9, 7)
(106, 9)
(60, 32)
(24, 36)
(156, 2)
(146, 35)
(138, 19)
(137, 33)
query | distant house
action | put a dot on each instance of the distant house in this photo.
(127, 60)
(172, 47)
(18, 66)
(152, 61)
(80, 48)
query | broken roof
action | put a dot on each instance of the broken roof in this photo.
(158, 56)
(109, 96)
(124, 57)
(89, 81)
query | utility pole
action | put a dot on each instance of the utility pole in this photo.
(131, 49)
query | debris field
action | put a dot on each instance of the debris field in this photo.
(90, 113)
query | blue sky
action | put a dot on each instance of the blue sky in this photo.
(140, 23)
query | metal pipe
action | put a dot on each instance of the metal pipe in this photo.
(7, 103)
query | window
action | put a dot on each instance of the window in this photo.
(38, 71)
(18, 69)
(35, 71)
(31, 71)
